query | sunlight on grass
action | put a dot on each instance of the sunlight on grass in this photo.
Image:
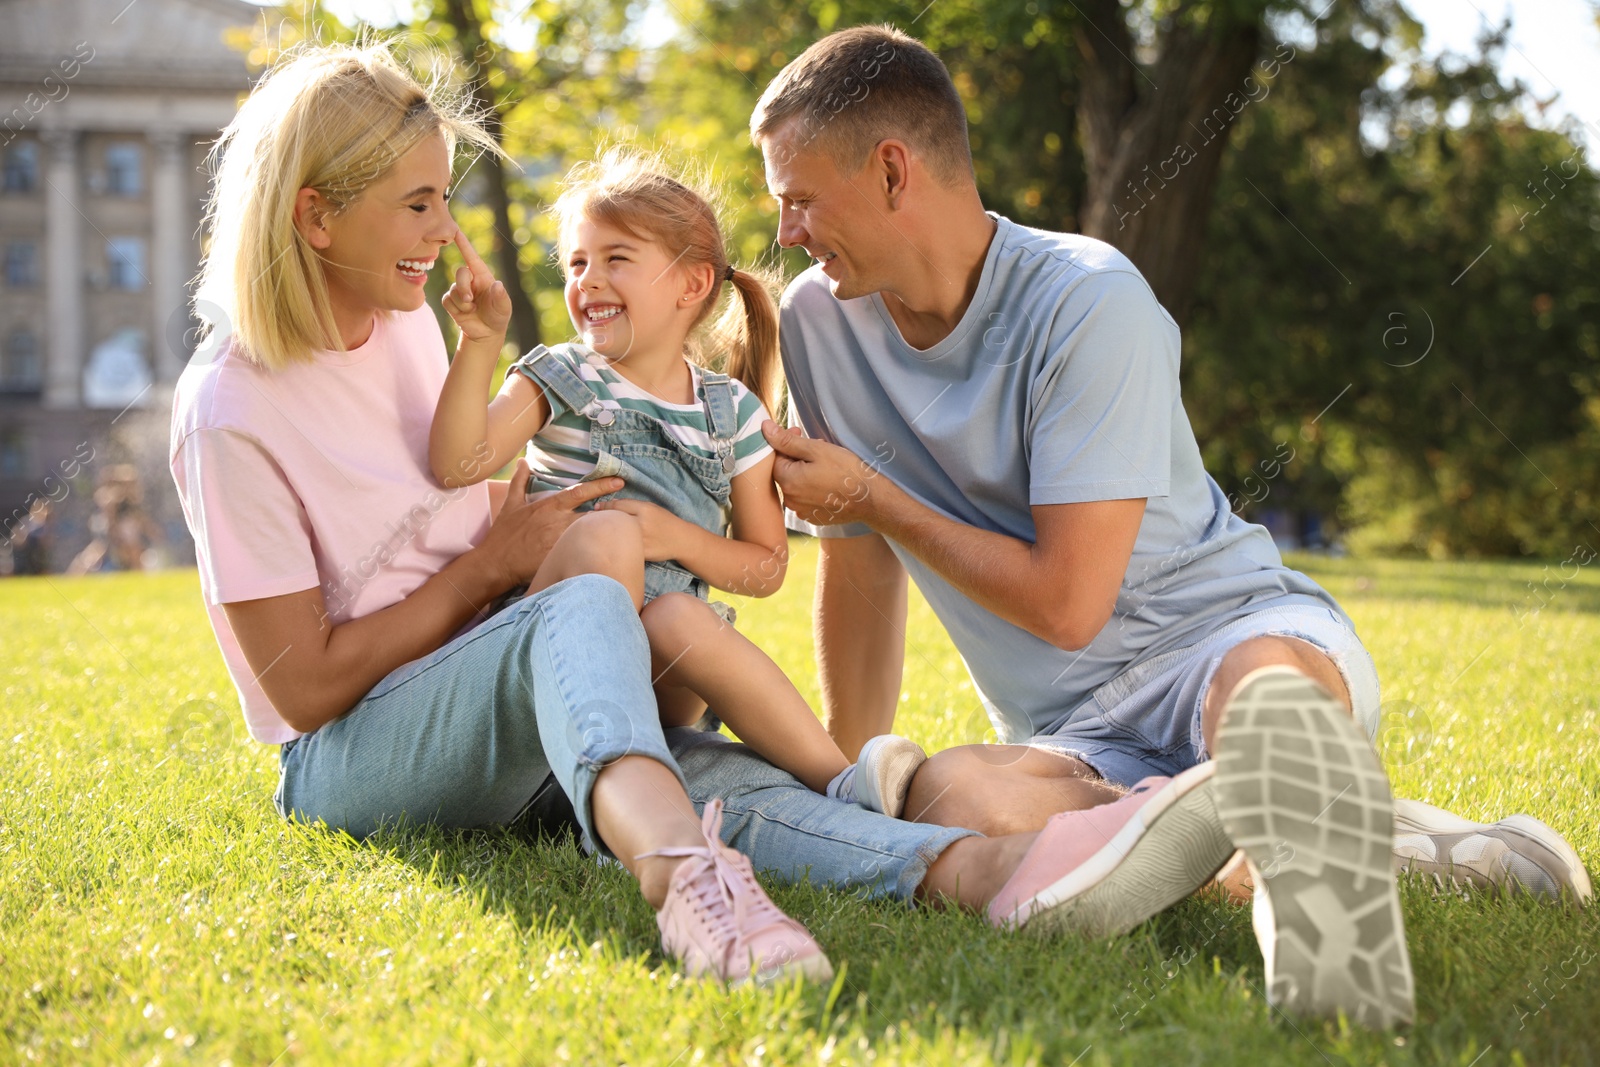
(156, 909)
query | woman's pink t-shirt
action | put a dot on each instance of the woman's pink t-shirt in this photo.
(317, 476)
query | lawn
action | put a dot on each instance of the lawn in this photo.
(157, 910)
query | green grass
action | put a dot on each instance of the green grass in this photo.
(157, 910)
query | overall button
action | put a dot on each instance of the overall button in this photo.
(727, 462)
(605, 417)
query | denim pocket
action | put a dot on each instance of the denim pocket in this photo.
(643, 451)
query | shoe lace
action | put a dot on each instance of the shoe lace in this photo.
(723, 888)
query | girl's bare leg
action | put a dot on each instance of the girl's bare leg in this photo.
(599, 542)
(678, 706)
(692, 648)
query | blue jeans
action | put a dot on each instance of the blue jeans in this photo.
(542, 696)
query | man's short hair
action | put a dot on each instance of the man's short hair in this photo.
(858, 87)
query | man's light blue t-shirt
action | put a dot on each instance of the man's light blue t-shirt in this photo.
(1059, 385)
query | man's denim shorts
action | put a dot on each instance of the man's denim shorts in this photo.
(1146, 721)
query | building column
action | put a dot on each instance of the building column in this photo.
(64, 303)
(171, 260)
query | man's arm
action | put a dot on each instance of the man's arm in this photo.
(1061, 588)
(859, 628)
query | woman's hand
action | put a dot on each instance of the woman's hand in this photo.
(663, 531)
(479, 305)
(522, 534)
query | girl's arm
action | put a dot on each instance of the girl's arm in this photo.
(751, 562)
(471, 440)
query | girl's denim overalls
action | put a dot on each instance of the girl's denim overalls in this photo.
(656, 467)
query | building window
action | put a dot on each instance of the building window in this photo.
(22, 264)
(13, 454)
(22, 167)
(117, 373)
(124, 169)
(125, 263)
(19, 362)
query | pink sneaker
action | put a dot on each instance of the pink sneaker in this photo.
(1102, 871)
(718, 920)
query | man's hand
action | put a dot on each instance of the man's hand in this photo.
(522, 534)
(477, 303)
(822, 483)
(663, 531)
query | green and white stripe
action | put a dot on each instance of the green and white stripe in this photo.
(560, 453)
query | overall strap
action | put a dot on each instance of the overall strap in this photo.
(721, 412)
(544, 367)
(721, 415)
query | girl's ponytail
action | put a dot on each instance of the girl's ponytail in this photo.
(747, 330)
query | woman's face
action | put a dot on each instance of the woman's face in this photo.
(378, 251)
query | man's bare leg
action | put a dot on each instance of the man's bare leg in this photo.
(1260, 652)
(1002, 789)
(1012, 789)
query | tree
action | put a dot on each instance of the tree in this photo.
(479, 61)
(1400, 286)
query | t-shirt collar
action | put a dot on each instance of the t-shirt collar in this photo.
(359, 354)
(971, 318)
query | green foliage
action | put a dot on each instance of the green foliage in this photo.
(152, 902)
(1380, 248)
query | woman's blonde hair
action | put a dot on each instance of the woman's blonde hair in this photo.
(334, 118)
(637, 193)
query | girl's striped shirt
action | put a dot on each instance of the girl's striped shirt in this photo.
(559, 454)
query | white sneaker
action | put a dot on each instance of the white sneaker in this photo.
(883, 773)
(1516, 853)
(1301, 791)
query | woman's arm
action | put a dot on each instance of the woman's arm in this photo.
(470, 440)
(313, 671)
(751, 563)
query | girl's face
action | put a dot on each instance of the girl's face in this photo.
(626, 295)
(378, 251)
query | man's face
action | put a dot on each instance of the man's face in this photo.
(831, 215)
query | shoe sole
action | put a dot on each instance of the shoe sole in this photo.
(1302, 792)
(812, 969)
(895, 759)
(1420, 817)
(1172, 847)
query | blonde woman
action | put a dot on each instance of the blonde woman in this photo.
(340, 576)
(347, 587)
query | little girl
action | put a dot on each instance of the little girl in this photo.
(645, 264)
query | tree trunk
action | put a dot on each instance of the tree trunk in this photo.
(469, 36)
(1153, 138)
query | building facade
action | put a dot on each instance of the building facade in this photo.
(107, 112)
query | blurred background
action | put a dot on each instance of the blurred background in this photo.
(1376, 222)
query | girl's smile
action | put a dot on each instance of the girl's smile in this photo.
(624, 297)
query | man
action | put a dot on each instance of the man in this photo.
(996, 410)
